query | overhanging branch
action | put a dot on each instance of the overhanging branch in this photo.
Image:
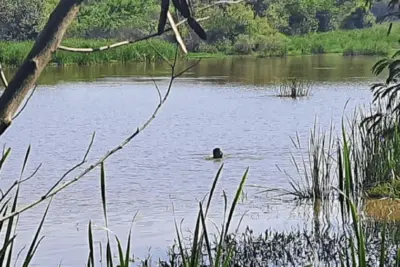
(28, 73)
(55, 190)
(119, 44)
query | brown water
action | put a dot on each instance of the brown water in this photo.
(228, 103)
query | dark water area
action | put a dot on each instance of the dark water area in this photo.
(163, 173)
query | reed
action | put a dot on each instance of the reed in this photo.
(314, 166)
(294, 88)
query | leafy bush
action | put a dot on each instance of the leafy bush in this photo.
(274, 45)
(244, 45)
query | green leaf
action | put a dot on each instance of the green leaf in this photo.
(91, 250)
(195, 246)
(207, 241)
(181, 248)
(9, 230)
(383, 252)
(28, 151)
(121, 254)
(35, 242)
(236, 200)
(4, 157)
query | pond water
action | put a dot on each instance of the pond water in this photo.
(163, 173)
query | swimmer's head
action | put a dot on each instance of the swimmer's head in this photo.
(217, 153)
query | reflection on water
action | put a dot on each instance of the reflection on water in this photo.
(246, 70)
(223, 103)
(383, 209)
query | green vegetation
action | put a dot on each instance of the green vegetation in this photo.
(385, 189)
(365, 158)
(294, 88)
(258, 27)
(371, 41)
(13, 53)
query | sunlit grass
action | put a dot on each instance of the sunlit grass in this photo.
(13, 53)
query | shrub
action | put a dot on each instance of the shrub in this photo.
(274, 45)
(244, 45)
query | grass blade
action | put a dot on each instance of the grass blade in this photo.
(181, 248)
(128, 246)
(4, 157)
(9, 229)
(28, 151)
(236, 200)
(104, 203)
(207, 241)
(383, 254)
(214, 185)
(35, 242)
(196, 246)
(91, 250)
(121, 254)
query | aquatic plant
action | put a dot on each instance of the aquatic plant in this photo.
(294, 88)
(315, 171)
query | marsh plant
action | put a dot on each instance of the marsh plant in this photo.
(314, 166)
(294, 88)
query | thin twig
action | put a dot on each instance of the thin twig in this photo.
(19, 182)
(33, 174)
(75, 166)
(160, 54)
(119, 44)
(106, 156)
(26, 102)
(188, 68)
(3, 77)
(158, 89)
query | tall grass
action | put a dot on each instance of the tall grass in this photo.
(13, 53)
(369, 41)
(314, 166)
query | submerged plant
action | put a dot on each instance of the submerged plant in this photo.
(294, 88)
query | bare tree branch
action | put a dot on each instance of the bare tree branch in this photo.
(55, 191)
(119, 44)
(26, 102)
(3, 77)
(74, 167)
(28, 73)
(19, 182)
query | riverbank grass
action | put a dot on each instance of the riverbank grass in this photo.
(13, 53)
(369, 41)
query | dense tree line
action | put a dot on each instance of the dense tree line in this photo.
(245, 26)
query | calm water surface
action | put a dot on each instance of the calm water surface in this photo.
(228, 103)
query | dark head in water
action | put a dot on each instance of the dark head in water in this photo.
(217, 153)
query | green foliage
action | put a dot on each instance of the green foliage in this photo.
(385, 189)
(13, 53)
(115, 18)
(20, 19)
(371, 41)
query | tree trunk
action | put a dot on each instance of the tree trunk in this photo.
(27, 74)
